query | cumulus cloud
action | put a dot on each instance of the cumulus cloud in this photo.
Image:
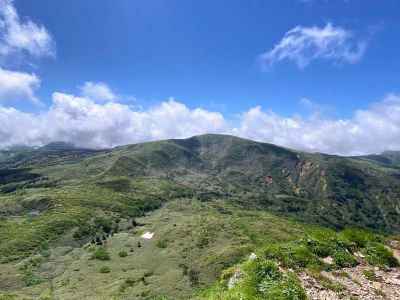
(22, 36)
(372, 130)
(87, 123)
(18, 86)
(302, 45)
(98, 91)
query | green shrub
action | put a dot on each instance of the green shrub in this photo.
(359, 237)
(162, 244)
(378, 255)
(302, 256)
(262, 269)
(293, 255)
(288, 288)
(319, 248)
(101, 254)
(103, 224)
(84, 231)
(344, 259)
(105, 269)
(265, 281)
(123, 254)
(129, 282)
(31, 279)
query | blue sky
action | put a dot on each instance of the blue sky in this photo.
(303, 65)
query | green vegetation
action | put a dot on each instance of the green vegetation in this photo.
(211, 200)
(370, 275)
(378, 255)
(105, 269)
(259, 279)
(308, 252)
(101, 253)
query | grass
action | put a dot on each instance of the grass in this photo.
(105, 269)
(377, 254)
(123, 254)
(101, 253)
(370, 275)
(260, 279)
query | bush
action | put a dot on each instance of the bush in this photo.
(123, 254)
(378, 255)
(265, 281)
(302, 256)
(84, 231)
(161, 244)
(359, 237)
(344, 259)
(287, 288)
(103, 224)
(105, 269)
(321, 249)
(31, 279)
(101, 254)
(294, 255)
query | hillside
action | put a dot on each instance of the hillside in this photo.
(324, 189)
(73, 218)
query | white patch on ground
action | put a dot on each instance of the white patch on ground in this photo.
(147, 235)
(328, 260)
(252, 256)
(234, 279)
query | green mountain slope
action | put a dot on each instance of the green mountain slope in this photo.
(216, 198)
(324, 189)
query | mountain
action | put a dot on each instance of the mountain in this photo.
(209, 199)
(325, 189)
(388, 158)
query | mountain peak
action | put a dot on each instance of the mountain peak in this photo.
(58, 146)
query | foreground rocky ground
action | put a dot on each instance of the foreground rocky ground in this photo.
(360, 282)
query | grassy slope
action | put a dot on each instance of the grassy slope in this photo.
(213, 188)
(193, 243)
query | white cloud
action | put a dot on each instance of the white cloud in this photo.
(22, 36)
(305, 44)
(84, 122)
(18, 86)
(98, 91)
(373, 130)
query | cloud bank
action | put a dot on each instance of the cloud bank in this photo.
(87, 123)
(302, 45)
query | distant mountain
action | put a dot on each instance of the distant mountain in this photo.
(325, 189)
(52, 153)
(57, 146)
(388, 158)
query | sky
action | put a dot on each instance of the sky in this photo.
(313, 75)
